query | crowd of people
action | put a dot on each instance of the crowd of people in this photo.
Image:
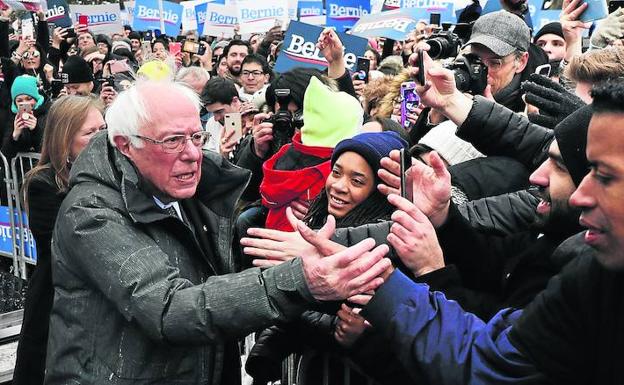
(187, 198)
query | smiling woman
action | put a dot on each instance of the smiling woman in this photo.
(350, 193)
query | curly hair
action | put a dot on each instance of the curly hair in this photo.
(393, 92)
(596, 66)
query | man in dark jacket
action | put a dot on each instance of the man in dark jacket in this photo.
(142, 247)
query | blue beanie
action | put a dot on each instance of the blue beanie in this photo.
(372, 146)
(25, 85)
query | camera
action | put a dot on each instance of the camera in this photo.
(470, 73)
(444, 44)
(284, 121)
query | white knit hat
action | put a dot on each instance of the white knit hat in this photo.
(442, 139)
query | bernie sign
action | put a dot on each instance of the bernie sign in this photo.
(147, 16)
(58, 13)
(396, 25)
(343, 14)
(299, 49)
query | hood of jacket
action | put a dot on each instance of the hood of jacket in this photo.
(219, 188)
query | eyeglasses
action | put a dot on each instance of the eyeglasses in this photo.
(29, 54)
(254, 73)
(494, 63)
(176, 143)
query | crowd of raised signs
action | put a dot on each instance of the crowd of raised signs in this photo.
(486, 221)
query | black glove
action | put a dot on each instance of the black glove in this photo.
(554, 102)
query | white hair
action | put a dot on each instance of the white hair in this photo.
(129, 113)
(196, 73)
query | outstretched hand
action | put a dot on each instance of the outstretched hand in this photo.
(428, 187)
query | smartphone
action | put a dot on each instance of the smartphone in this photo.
(117, 66)
(147, 35)
(233, 121)
(434, 19)
(146, 47)
(28, 29)
(180, 38)
(614, 5)
(409, 101)
(175, 48)
(362, 67)
(83, 20)
(70, 33)
(596, 10)
(543, 70)
(24, 109)
(420, 64)
(193, 47)
(585, 42)
(405, 163)
(56, 85)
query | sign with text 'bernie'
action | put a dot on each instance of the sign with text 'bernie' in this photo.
(311, 12)
(7, 234)
(299, 48)
(146, 16)
(396, 24)
(58, 13)
(343, 14)
(105, 18)
(259, 16)
(220, 20)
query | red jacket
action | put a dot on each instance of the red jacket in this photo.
(281, 187)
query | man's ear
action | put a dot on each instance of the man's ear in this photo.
(522, 63)
(123, 144)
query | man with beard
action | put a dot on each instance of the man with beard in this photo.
(235, 53)
(219, 97)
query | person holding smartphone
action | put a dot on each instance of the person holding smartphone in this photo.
(24, 132)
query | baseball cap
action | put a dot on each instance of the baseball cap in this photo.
(501, 32)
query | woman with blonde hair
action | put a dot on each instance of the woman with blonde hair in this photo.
(70, 124)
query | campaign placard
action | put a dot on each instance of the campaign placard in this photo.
(105, 18)
(146, 16)
(58, 13)
(7, 234)
(299, 48)
(260, 16)
(311, 12)
(220, 20)
(445, 8)
(343, 14)
(24, 5)
(396, 24)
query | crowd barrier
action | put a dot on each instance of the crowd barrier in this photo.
(16, 240)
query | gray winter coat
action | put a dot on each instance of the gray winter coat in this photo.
(137, 299)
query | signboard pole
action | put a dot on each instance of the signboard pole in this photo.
(162, 20)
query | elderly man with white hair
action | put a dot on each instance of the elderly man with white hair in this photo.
(146, 288)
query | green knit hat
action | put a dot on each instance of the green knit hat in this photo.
(25, 85)
(329, 116)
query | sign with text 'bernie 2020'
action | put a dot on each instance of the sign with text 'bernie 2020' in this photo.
(343, 14)
(260, 16)
(58, 13)
(299, 48)
(146, 16)
(424, 8)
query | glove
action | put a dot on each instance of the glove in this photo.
(610, 29)
(554, 102)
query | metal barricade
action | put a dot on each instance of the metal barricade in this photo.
(295, 367)
(23, 242)
(6, 195)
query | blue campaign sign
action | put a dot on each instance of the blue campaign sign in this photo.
(6, 235)
(310, 8)
(58, 13)
(343, 14)
(201, 11)
(396, 24)
(299, 49)
(147, 16)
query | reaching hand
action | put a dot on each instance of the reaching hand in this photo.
(351, 271)
(274, 246)
(571, 25)
(351, 325)
(330, 45)
(440, 83)
(413, 238)
(554, 102)
(262, 135)
(228, 142)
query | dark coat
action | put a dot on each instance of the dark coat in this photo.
(29, 140)
(496, 130)
(142, 296)
(44, 200)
